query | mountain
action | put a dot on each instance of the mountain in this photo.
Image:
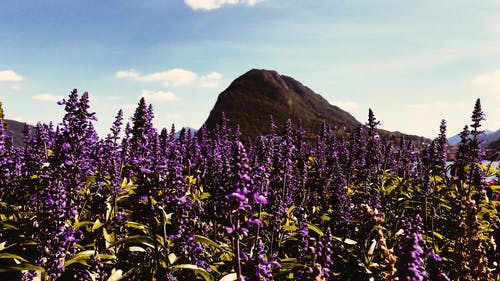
(454, 140)
(493, 150)
(494, 145)
(490, 137)
(487, 138)
(252, 98)
(255, 96)
(16, 128)
(185, 129)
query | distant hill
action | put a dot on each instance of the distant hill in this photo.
(17, 129)
(493, 150)
(495, 145)
(253, 97)
(487, 138)
(490, 142)
(186, 129)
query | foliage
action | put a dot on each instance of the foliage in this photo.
(144, 204)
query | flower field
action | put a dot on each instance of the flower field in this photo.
(143, 204)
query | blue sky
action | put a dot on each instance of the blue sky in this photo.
(413, 62)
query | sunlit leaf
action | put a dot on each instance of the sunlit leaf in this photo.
(315, 229)
(230, 277)
(207, 276)
(12, 256)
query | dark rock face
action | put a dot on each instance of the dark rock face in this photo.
(254, 97)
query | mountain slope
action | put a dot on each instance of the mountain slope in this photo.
(487, 138)
(258, 94)
(16, 128)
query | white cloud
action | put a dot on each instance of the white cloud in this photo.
(113, 98)
(173, 77)
(345, 105)
(442, 105)
(47, 97)
(129, 106)
(489, 81)
(10, 76)
(253, 2)
(430, 105)
(127, 74)
(16, 87)
(174, 116)
(215, 4)
(210, 80)
(159, 96)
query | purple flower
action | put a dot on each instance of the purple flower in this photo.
(410, 263)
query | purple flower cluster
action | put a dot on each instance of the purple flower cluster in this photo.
(146, 204)
(410, 264)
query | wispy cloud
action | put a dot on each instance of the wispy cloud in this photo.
(129, 106)
(210, 80)
(215, 4)
(439, 104)
(47, 97)
(131, 73)
(172, 77)
(159, 96)
(10, 76)
(345, 105)
(174, 116)
(489, 81)
(429, 105)
(114, 98)
(16, 87)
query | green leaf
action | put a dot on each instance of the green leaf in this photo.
(12, 256)
(136, 225)
(315, 229)
(209, 242)
(117, 274)
(135, 239)
(495, 188)
(445, 206)
(207, 276)
(80, 258)
(440, 236)
(172, 258)
(108, 237)
(204, 195)
(22, 267)
(97, 224)
(136, 249)
(350, 241)
(289, 228)
(81, 224)
(230, 277)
